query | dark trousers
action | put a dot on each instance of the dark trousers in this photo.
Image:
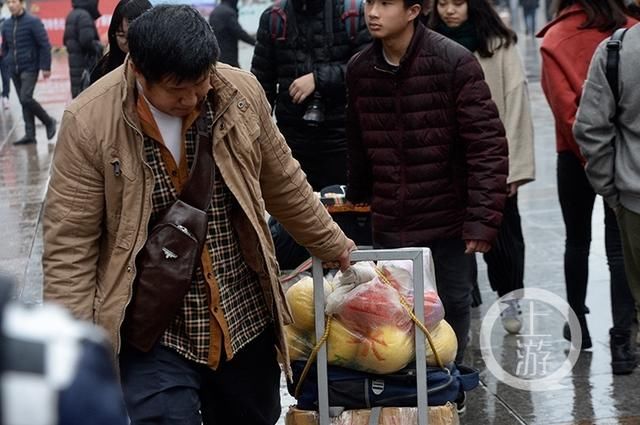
(25, 83)
(505, 261)
(163, 388)
(629, 222)
(6, 78)
(576, 201)
(455, 275)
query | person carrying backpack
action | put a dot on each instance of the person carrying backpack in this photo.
(606, 131)
(567, 47)
(300, 60)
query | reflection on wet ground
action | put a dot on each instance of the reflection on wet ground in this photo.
(590, 394)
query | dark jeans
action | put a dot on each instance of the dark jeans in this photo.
(25, 83)
(6, 77)
(455, 274)
(505, 261)
(576, 201)
(163, 388)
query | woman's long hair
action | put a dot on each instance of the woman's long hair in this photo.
(488, 25)
(604, 15)
(129, 9)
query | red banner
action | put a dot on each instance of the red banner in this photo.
(54, 13)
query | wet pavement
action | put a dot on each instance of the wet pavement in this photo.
(589, 394)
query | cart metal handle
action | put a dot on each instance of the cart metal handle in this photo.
(413, 254)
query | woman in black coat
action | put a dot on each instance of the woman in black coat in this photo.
(124, 13)
(82, 42)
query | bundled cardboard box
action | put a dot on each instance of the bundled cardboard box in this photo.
(438, 415)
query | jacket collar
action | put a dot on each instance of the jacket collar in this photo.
(570, 11)
(415, 44)
(222, 95)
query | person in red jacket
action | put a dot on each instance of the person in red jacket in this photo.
(568, 44)
(426, 149)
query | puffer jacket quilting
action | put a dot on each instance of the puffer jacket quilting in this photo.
(426, 145)
(81, 40)
(305, 49)
(25, 44)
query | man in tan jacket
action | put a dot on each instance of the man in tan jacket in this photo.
(123, 154)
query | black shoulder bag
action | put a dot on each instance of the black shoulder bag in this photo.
(168, 259)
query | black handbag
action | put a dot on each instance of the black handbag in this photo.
(166, 263)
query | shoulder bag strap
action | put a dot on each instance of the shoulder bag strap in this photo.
(199, 189)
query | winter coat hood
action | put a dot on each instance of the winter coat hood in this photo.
(90, 6)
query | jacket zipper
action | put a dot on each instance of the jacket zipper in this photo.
(403, 162)
(15, 49)
(403, 177)
(138, 248)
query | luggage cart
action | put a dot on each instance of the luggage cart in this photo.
(412, 254)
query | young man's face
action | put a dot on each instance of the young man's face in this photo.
(16, 7)
(388, 18)
(453, 12)
(173, 98)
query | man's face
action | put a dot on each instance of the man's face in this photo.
(16, 7)
(453, 12)
(174, 98)
(388, 18)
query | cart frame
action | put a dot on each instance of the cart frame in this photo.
(416, 256)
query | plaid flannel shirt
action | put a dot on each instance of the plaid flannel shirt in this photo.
(225, 299)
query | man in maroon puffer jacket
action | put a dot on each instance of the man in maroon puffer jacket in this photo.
(427, 149)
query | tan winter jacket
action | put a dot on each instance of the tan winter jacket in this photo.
(504, 73)
(97, 213)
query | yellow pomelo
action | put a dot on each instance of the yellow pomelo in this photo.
(445, 342)
(342, 345)
(300, 300)
(386, 349)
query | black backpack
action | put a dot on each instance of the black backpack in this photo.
(351, 18)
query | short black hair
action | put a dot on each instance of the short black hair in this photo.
(409, 3)
(172, 41)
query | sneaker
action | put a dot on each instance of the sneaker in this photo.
(586, 338)
(511, 316)
(623, 359)
(5, 103)
(25, 141)
(51, 129)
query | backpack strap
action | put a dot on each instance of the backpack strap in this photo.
(351, 17)
(613, 59)
(278, 20)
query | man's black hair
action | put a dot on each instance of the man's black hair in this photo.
(172, 41)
